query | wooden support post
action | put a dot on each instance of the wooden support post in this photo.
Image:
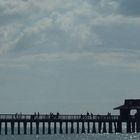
(25, 127)
(49, 127)
(77, 127)
(61, 129)
(104, 127)
(128, 125)
(31, 127)
(18, 128)
(119, 127)
(37, 127)
(12, 127)
(88, 125)
(43, 127)
(138, 126)
(94, 128)
(83, 127)
(72, 128)
(66, 127)
(6, 130)
(0, 127)
(55, 128)
(133, 127)
(110, 127)
(99, 127)
(115, 127)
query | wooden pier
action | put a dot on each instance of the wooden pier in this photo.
(17, 124)
(64, 124)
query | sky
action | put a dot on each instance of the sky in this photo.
(68, 56)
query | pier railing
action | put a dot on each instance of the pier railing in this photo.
(58, 117)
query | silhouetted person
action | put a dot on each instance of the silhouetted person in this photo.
(51, 115)
(20, 115)
(34, 115)
(57, 115)
(38, 115)
(91, 115)
(16, 115)
(108, 115)
(87, 114)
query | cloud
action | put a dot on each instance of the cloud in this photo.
(48, 25)
(120, 59)
(129, 7)
(32, 27)
(115, 20)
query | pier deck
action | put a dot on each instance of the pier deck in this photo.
(44, 117)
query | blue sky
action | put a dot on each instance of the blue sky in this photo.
(68, 56)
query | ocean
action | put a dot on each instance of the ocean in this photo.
(134, 136)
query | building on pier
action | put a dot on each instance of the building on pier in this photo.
(127, 107)
(132, 121)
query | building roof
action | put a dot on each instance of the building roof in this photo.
(129, 104)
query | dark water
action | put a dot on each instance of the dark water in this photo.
(135, 136)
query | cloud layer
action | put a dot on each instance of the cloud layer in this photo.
(61, 25)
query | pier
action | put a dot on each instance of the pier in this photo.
(17, 124)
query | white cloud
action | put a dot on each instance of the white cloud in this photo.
(65, 18)
(115, 20)
(118, 59)
(4, 48)
(58, 25)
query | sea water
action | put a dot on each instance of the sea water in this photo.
(134, 136)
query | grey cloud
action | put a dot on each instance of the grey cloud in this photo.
(129, 7)
(61, 25)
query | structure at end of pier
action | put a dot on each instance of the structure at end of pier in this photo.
(126, 116)
(127, 107)
(56, 123)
